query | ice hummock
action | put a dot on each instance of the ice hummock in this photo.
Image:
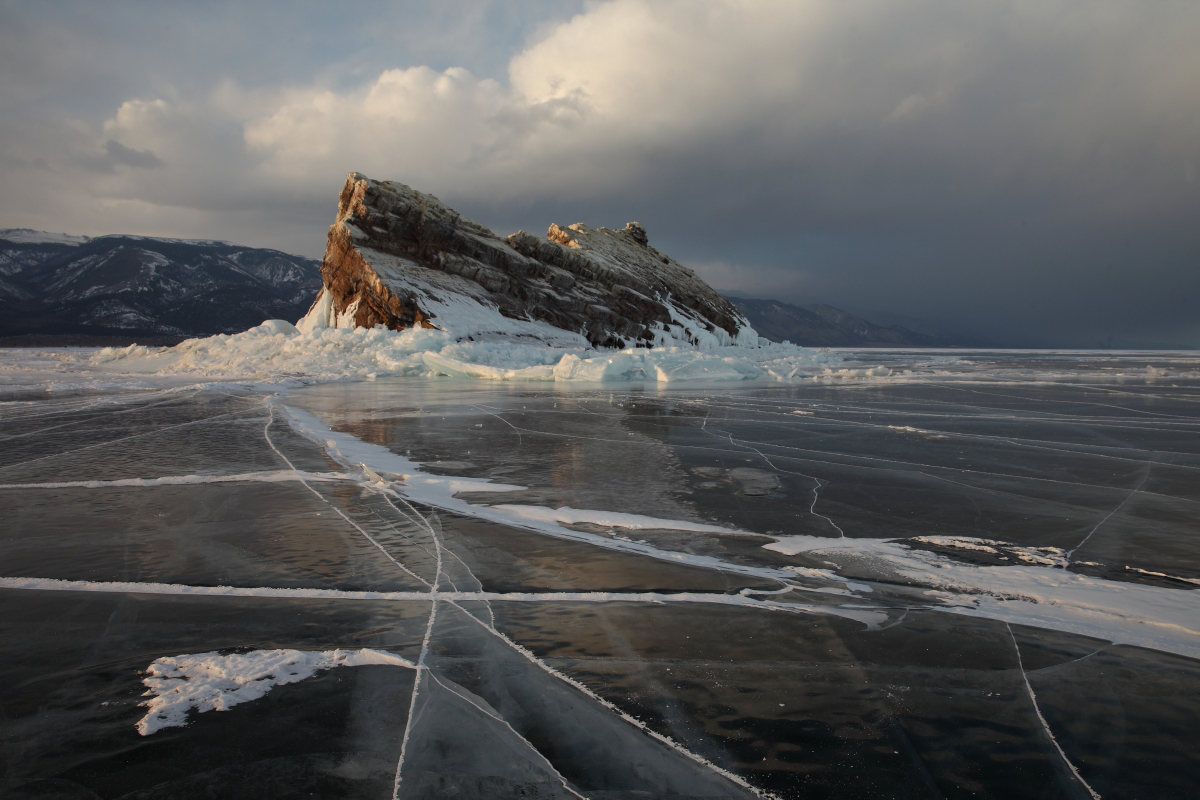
(493, 348)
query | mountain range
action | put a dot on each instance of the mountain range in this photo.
(135, 286)
(820, 325)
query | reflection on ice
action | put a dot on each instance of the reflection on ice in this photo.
(1146, 616)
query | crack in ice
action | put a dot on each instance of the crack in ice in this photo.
(1136, 489)
(338, 511)
(1042, 719)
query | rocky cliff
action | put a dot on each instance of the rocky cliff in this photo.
(398, 257)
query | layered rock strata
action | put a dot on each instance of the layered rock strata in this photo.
(398, 257)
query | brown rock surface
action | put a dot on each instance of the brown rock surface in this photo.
(398, 257)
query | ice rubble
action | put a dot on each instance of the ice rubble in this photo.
(511, 350)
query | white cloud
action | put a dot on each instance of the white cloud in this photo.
(413, 122)
(873, 100)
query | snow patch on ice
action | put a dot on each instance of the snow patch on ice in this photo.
(1043, 595)
(959, 542)
(1041, 556)
(213, 682)
(1136, 570)
(610, 519)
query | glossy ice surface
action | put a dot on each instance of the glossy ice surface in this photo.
(976, 584)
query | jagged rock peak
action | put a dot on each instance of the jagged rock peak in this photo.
(399, 257)
(570, 237)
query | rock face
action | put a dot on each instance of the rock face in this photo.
(55, 284)
(397, 257)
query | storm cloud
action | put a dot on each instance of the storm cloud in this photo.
(1026, 169)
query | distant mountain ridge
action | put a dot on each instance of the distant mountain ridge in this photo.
(56, 285)
(120, 284)
(819, 325)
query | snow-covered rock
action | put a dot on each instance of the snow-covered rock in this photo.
(400, 258)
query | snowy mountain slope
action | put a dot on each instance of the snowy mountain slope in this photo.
(24, 252)
(54, 283)
(398, 257)
(30, 236)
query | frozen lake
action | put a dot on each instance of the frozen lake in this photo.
(973, 579)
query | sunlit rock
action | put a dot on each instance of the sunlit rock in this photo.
(401, 258)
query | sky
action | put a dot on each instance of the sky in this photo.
(1027, 171)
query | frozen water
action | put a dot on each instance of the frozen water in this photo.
(871, 574)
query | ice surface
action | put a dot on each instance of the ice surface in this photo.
(918, 575)
(1044, 596)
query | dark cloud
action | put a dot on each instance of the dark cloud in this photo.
(18, 163)
(120, 154)
(116, 154)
